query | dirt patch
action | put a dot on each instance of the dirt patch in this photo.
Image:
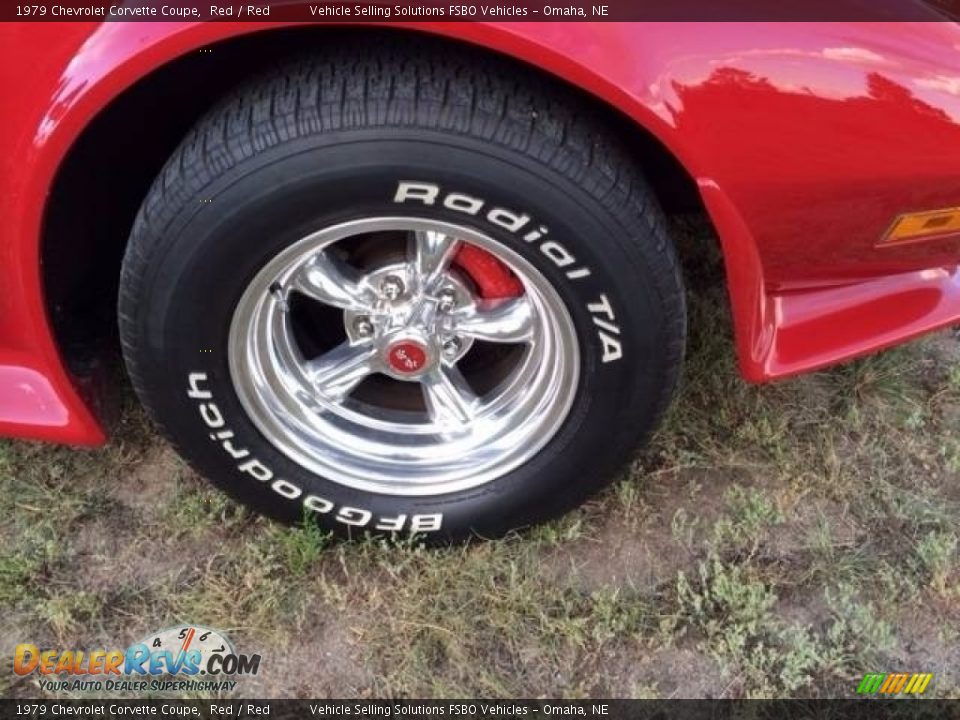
(679, 509)
(930, 642)
(321, 661)
(151, 482)
(798, 533)
(675, 673)
(108, 555)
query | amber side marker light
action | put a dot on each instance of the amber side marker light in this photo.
(930, 225)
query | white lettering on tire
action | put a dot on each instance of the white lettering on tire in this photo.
(213, 418)
(354, 516)
(612, 349)
(601, 312)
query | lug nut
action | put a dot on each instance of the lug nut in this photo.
(446, 300)
(451, 347)
(362, 326)
(391, 287)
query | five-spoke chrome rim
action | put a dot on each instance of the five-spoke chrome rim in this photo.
(412, 319)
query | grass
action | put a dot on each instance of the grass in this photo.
(771, 541)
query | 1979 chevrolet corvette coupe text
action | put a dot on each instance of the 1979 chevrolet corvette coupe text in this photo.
(418, 278)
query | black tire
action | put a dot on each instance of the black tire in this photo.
(327, 139)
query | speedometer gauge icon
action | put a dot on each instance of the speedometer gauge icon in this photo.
(182, 639)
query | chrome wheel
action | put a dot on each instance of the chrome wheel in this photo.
(431, 387)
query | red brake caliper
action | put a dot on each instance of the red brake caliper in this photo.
(493, 278)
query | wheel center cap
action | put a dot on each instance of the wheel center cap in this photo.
(407, 357)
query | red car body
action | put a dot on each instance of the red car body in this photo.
(806, 142)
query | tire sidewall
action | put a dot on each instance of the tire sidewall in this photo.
(213, 246)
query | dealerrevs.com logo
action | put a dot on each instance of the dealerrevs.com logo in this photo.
(178, 659)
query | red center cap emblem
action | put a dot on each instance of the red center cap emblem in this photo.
(407, 357)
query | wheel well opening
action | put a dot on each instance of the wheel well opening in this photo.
(108, 171)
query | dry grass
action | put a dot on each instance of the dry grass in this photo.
(771, 541)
